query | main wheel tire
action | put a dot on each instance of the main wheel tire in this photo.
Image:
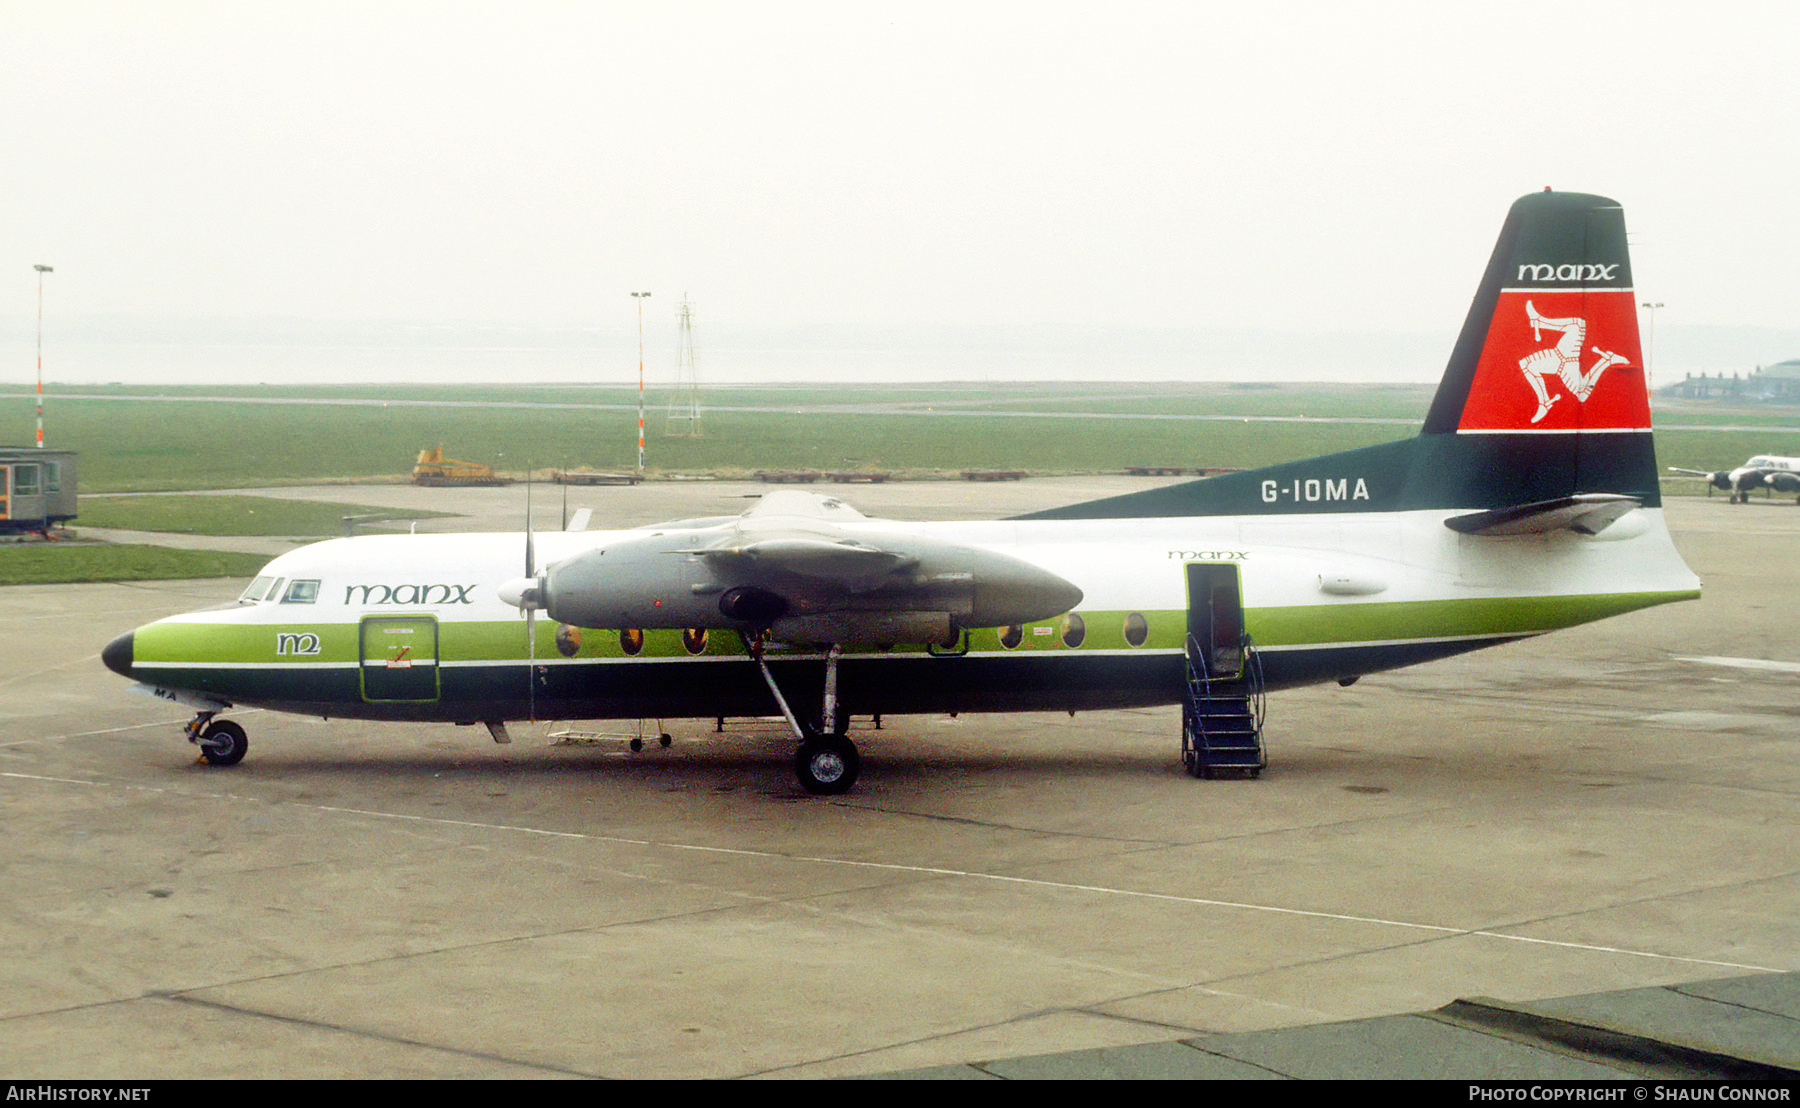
(827, 765)
(223, 743)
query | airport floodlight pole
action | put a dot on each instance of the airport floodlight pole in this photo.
(1650, 346)
(639, 297)
(41, 270)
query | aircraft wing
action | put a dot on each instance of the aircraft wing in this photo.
(824, 558)
(1583, 513)
(801, 567)
(803, 534)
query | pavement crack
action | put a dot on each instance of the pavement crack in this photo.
(364, 1033)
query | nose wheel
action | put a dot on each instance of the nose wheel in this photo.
(221, 741)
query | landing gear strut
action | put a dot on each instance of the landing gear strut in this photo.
(221, 742)
(826, 762)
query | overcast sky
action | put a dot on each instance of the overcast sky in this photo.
(1157, 186)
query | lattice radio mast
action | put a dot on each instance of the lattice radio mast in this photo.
(684, 406)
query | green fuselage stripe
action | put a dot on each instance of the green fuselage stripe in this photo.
(172, 645)
(480, 672)
(1320, 624)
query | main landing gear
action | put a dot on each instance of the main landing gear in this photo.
(826, 762)
(221, 741)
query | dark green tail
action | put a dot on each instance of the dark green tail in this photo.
(1545, 395)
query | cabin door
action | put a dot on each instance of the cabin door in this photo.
(399, 658)
(1215, 622)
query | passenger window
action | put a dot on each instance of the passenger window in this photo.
(1137, 629)
(301, 592)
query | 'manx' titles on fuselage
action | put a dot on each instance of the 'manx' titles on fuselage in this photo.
(1528, 503)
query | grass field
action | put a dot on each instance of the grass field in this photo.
(63, 563)
(189, 443)
(229, 515)
(206, 437)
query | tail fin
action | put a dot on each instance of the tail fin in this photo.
(1551, 342)
(1545, 396)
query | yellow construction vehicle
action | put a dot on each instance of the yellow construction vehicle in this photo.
(433, 468)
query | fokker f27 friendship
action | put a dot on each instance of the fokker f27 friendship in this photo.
(1527, 503)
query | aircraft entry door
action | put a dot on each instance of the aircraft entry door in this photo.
(1216, 616)
(399, 658)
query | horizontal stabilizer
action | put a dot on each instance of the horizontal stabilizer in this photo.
(1583, 513)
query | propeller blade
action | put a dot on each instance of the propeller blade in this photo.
(530, 554)
(530, 610)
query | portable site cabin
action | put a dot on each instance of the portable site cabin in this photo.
(37, 488)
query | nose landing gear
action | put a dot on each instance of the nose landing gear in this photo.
(221, 742)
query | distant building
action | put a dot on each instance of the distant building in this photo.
(37, 488)
(1779, 382)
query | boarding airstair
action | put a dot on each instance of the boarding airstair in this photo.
(1222, 713)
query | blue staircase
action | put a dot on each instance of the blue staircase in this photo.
(1222, 714)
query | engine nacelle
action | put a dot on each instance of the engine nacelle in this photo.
(749, 604)
(801, 589)
(655, 582)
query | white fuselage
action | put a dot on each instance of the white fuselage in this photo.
(1324, 596)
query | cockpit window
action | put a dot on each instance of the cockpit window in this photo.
(301, 592)
(258, 589)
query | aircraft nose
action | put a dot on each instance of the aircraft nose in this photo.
(117, 655)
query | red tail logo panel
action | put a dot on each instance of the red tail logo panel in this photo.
(1560, 361)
